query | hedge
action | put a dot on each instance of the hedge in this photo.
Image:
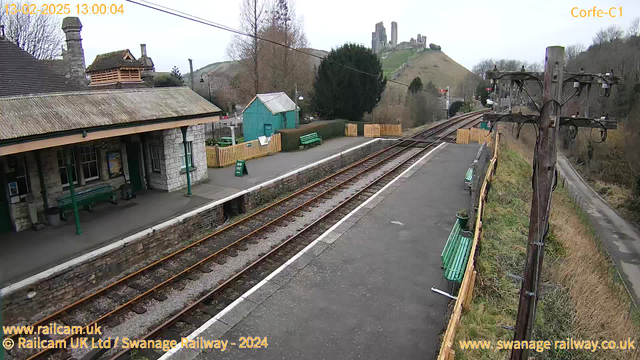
(326, 129)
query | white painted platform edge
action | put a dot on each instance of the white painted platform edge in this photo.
(137, 236)
(257, 286)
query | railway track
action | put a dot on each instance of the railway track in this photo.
(107, 306)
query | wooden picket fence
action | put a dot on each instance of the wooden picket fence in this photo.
(225, 156)
(391, 129)
(371, 130)
(351, 130)
(465, 294)
(465, 136)
(377, 130)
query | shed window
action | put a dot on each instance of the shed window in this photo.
(189, 155)
(89, 162)
(62, 168)
(156, 157)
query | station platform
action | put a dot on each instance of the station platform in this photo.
(362, 290)
(30, 252)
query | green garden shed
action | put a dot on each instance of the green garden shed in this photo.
(266, 114)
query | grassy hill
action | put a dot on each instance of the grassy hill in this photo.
(229, 69)
(394, 59)
(429, 65)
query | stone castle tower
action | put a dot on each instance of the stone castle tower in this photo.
(394, 33)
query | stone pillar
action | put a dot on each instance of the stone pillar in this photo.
(74, 56)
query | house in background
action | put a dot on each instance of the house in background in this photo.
(118, 69)
(267, 113)
(56, 134)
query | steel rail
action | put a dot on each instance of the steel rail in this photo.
(157, 330)
(157, 287)
(219, 252)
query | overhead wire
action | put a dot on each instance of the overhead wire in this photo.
(186, 16)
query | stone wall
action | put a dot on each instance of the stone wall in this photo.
(52, 181)
(173, 147)
(155, 180)
(61, 289)
(97, 270)
(296, 181)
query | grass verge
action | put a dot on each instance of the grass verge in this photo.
(582, 297)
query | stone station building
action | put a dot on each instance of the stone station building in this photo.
(113, 137)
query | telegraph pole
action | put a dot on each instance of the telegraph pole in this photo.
(191, 74)
(543, 180)
(547, 126)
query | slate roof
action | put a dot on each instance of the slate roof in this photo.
(113, 60)
(24, 116)
(276, 102)
(21, 73)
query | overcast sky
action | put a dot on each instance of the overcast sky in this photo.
(468, 31)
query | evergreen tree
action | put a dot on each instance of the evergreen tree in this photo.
(340, 92)
(175, 73)
(416, 85)
(173, 79)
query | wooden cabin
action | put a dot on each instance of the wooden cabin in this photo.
(118, 69)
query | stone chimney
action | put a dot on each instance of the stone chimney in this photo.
(74, 56)
(149, 69)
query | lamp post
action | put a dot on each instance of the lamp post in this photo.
(208, 83)
(297, 97)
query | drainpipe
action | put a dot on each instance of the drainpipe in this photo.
(186, 158)
(72, 191)
(43, 188)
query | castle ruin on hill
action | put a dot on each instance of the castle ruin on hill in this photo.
(380, 43)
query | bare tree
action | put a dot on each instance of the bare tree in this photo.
(246, 49)
(634, 27)
(482, 67)
(285, 67)
(467, 87)
(610, 34)
(38, 34)
(571, 53)
(535, 67)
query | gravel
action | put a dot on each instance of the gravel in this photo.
(134, 325)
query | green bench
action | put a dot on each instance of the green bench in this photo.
(225, 141)
(87, 198)
(310, 139)
(455, 254)
(468, 178)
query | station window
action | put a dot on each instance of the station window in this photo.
(156, 157)
(19, 164)
(189, 155)
(62, 168)
(89, 162)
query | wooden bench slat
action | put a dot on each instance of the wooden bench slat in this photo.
(86, 198)
(310, 138)
(455, 254)
(469, 175)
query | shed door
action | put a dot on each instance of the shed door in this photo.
(268, 130)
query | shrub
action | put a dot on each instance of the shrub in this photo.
(325, 129)
(433, 46)
(455, 107)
